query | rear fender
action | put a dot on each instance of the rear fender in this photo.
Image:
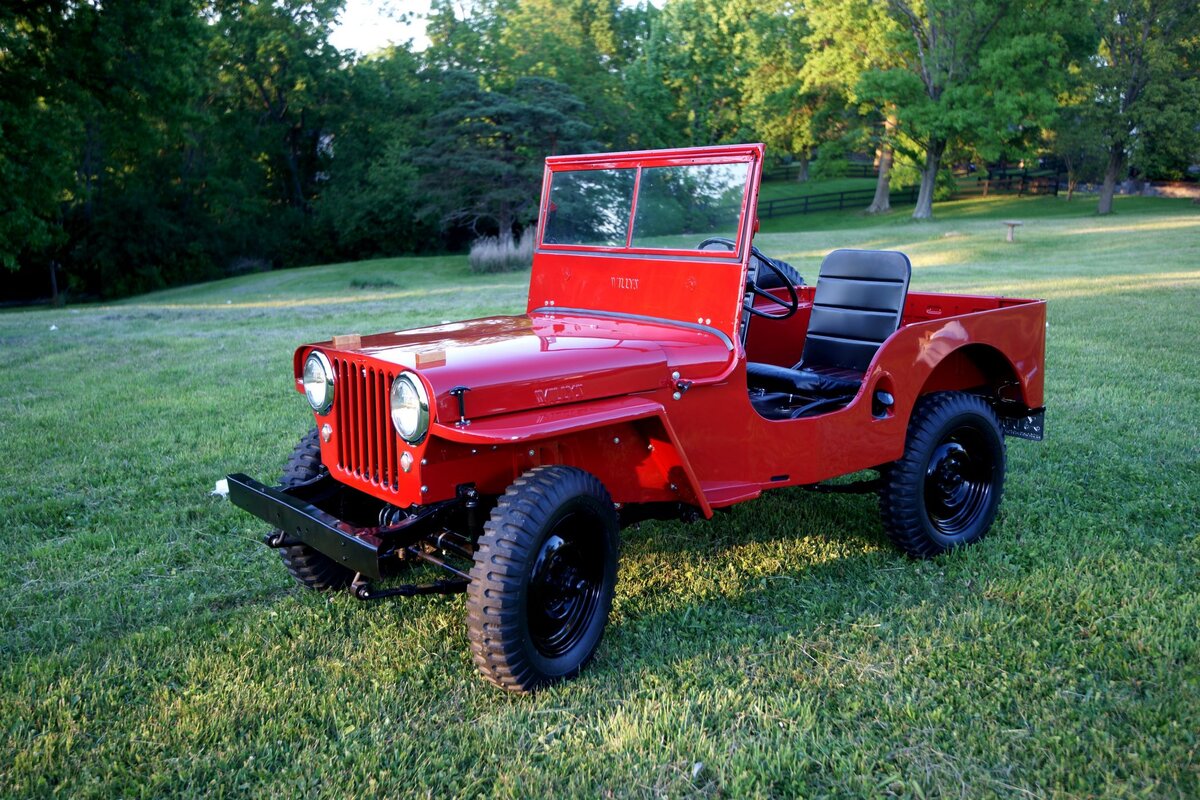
(977, 367)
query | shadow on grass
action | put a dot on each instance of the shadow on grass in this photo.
(728, 568)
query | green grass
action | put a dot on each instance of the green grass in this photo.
(153, 648)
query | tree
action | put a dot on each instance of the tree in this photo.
(279, 72)
(648, 100)
(975, 73)
(698, 62)
(34, 134)
(472, 42)
(365, 207)
(1072, 140)
(778, 105)
(848, 38)
(1145, 83)
(574, 43)
(121, 78)
(482, 165)
(589, 46)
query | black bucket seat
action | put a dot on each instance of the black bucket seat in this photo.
(858, 304)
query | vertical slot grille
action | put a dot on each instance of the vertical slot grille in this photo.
(366, 444)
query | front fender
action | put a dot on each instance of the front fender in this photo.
(648, 456)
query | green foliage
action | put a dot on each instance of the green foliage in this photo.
(845, 40)
(149, 144)
(1143, 86)
(366, 201)
(33, 129)
(787, 113)
(481, 164)
(1073, 141)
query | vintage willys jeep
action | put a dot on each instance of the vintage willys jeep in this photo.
(664, 368)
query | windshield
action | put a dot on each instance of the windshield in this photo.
(590, 207)
(675, 208)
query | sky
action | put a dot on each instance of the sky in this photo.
(367, 25)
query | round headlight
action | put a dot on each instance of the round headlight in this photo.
(410, 408)
(318, 382)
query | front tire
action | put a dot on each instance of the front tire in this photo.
(945, 490)
(543, 581)
(311, 569)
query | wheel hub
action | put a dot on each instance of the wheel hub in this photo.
(957, 484)
(564, 588)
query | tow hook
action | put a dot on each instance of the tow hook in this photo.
(278, 539)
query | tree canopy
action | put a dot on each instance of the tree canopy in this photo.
(147, 144)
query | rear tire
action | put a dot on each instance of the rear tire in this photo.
(945, 490)
(309, 567)
(543, 581)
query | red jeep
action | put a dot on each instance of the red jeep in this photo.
(664, 368)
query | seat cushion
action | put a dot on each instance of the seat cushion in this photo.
(813, 382)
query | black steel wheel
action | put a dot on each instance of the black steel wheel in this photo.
(542, 584)
(310, 568)
(945, 491)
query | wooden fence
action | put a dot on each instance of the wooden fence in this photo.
(861, 198)
(1021, 184)
(791, 171)
(830, 201)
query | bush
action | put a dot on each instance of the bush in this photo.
(490, 254)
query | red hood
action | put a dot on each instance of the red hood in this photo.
(522, 362)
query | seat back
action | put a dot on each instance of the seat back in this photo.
(858, 304)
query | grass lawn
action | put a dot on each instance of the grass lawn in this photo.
(153, 648)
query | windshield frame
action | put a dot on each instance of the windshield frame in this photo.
(695, 287)
(638, 161)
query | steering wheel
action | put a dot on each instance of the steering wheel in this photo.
(789, 306)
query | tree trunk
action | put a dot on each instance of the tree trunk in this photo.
(882, 203)
(504, 220)
(802, 175)
(56, 299)
(292, 153)
(933, 162)
(1116, 157)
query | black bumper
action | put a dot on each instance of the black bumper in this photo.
(301, 522)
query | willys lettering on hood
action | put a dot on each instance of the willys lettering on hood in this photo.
(522, 362)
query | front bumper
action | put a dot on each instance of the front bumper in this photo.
(299, 521)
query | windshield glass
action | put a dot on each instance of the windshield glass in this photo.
(677, 207)
(590, 207)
